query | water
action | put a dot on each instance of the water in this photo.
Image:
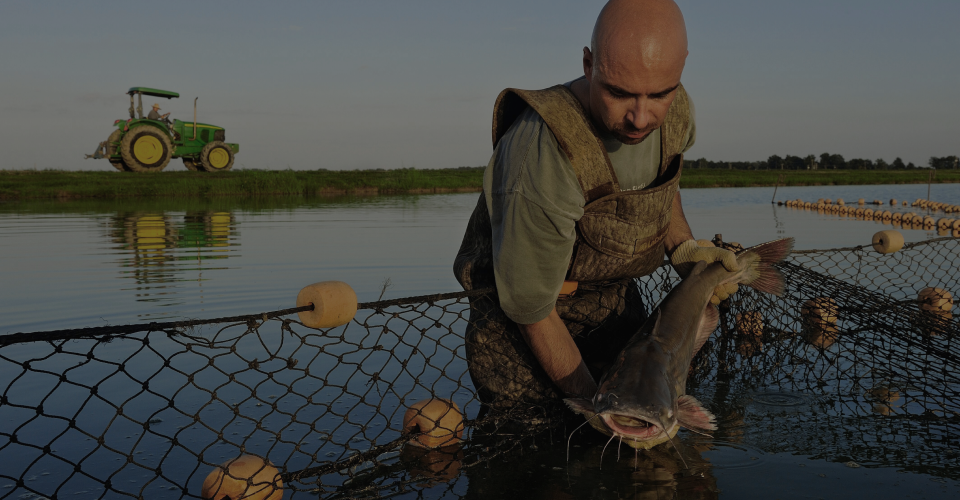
(92, 263)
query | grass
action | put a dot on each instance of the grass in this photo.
(702, 178)
(65, 185)
(30, 184)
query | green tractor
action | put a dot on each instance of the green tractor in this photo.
(142, 144)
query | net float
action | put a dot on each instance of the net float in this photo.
(749, 324)
(334, 304)
(438, 421)
(886, 215)
(888, 241)
(893, 202)
(819, 316)
(945, 223)
(860, 201)
(896, 218)
(868, 213)
(929, 222)
(248, 477)
(934, 299)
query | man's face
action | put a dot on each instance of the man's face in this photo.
(630, 97)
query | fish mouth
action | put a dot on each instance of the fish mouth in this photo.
(632, 427)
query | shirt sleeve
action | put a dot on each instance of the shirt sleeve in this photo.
(534, 200)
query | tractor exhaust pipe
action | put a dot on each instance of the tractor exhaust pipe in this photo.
(195, 118)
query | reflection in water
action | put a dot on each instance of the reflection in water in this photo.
(541, 470)
(158, 248)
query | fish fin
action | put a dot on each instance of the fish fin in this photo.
(766, 278)
(698, 268)
(692, 415)
(583, 406)
(708, 324)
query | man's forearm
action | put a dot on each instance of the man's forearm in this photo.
(679, 229)
(554, 348)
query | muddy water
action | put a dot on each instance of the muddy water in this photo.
(81, 264)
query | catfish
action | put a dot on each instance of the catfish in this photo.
(642, 398)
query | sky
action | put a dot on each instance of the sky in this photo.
(361, 84)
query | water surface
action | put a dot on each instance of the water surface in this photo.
(82, 264)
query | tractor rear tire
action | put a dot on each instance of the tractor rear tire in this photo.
(216, 156)
(146, 149)
(113, 144)
(190, 164)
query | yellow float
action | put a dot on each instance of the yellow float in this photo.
(248, 477)
(334, 304)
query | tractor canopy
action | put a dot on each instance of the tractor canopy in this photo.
(152, 92)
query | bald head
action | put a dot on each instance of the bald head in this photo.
(649, 33)
(633, 67)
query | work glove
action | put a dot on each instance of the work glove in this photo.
(688, 253)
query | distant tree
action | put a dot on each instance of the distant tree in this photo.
(810, 162)
(898, 164)
(943, 163)
(775, 162)
(837, 161)
(881, 165)
(911, 166)
(794, 163)
(824, 160)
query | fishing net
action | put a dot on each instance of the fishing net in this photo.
(846, 365)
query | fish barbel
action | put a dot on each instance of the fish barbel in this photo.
(642, 398)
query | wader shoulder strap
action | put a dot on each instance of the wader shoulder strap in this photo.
(564, 115)
(674, 129)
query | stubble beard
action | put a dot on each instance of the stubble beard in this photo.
(621, 134)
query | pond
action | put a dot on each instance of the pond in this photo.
(79, 264)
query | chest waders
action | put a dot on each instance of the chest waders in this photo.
(619, 238)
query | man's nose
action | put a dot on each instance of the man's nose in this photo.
(639, 114)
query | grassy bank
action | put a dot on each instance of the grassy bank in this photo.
(697, 178)
(58, 184)
(102, 184)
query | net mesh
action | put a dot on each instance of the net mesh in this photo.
(846, 365)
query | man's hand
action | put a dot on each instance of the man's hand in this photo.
(688, 253)
(559, 356)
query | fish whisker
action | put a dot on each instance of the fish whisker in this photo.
(605, 450)
(618, 448)
(575, 430)
(698, 432)
(663, 429)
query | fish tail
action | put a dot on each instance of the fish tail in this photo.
(763, 276)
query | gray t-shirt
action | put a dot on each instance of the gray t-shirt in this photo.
(534, 200)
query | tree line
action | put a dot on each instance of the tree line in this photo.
(825, 161)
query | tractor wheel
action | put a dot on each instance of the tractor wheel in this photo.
(190, 164)
(113, 144)
(146, 149)
(216, 157)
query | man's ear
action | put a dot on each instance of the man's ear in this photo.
(587, 63)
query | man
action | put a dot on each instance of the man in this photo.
(581, 192)
(154, 113)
